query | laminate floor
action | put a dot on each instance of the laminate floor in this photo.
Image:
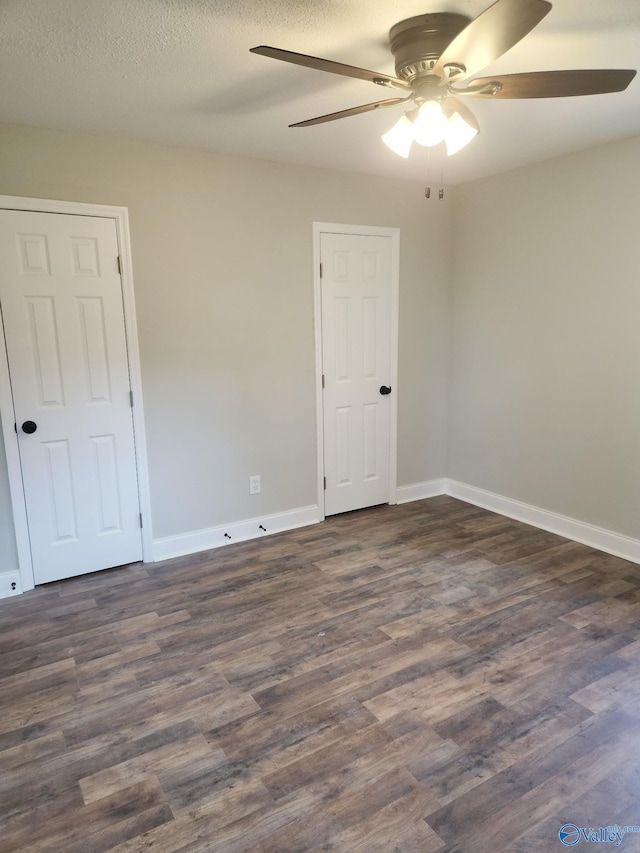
(412, 679)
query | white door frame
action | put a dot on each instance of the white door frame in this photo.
(369, 231)
(121, 219)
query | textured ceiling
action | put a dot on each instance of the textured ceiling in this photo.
(180, 72)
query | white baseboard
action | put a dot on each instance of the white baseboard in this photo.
(241, 531)
(10, 584)
(226, 534)
(570, 528)
(419, 491)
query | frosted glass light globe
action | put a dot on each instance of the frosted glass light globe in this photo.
(430, 126)
(400, 138)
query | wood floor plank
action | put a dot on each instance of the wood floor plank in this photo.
(428, 677)
(395, 826)
(360, 805)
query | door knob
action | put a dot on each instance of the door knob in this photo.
(385, 389)
(29, 427)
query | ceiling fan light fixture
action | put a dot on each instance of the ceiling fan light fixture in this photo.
(459, 133)
(431, 124)
(400, 138)
(437, 57)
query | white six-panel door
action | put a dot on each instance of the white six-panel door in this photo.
(62, 309)
(356, 358)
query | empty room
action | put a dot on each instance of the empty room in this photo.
(320, 426)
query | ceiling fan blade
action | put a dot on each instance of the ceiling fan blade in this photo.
(330, 66)
(550, 84)
(353, 111)
(491, 34)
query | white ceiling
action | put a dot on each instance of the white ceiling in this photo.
(180, 72)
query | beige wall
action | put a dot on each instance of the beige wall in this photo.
(544, 347)
(545, 383)
(222, 252)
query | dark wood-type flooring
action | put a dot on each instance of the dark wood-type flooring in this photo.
(427, 677)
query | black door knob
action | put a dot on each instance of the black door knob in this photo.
(385, 389)
(29, 427)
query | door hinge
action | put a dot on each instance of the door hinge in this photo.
(131, 398)
(140, 517)
(119, 265)
(323, 380)
(320, 269)
(325, 483)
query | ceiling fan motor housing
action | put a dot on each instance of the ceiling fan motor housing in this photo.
(417, 43)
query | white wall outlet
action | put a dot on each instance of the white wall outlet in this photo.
(254, 484)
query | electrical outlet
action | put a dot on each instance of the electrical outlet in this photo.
(254, 484)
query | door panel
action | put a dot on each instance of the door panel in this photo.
(61, 302)
(356, 340)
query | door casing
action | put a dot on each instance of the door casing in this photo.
(374, 231)
(121, 221)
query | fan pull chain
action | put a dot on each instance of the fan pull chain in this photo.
(427, 189)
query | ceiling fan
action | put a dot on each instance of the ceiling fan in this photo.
(436, 57)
